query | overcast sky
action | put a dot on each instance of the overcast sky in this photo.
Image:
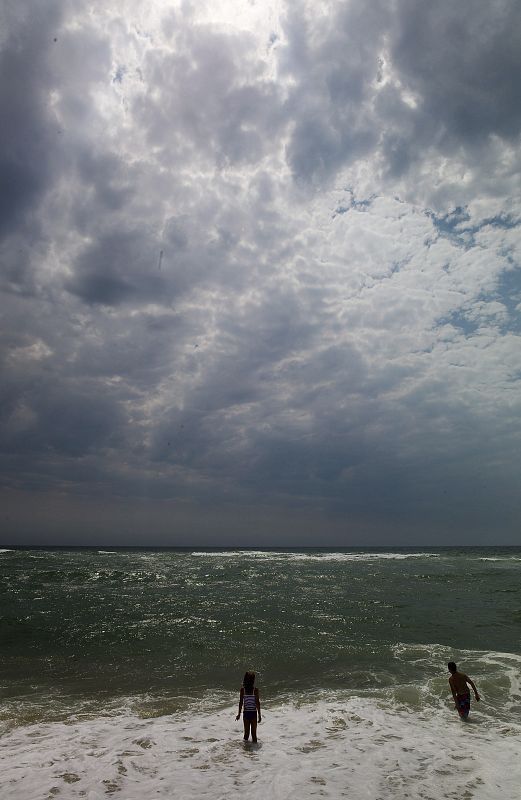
(260, 272)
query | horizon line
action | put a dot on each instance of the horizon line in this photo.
(252, 547)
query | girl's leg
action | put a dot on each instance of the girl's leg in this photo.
(254, 730)
(246, 729)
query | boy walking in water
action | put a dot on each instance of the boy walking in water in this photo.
(459, 684)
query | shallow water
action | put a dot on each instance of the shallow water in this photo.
(331, 747)
(121, 670)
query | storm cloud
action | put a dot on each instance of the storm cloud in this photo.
(260, 273)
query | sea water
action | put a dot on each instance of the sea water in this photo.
(121, 668)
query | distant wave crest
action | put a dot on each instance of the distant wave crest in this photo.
(294, 556)
(500, 558)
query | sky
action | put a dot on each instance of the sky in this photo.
(260, 272)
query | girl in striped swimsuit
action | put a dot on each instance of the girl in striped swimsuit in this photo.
(249, 697)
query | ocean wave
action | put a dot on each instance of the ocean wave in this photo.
(499, 558)
(299, 556)
(232, 553)
(333, 746)
(5, 550)
(361, 556)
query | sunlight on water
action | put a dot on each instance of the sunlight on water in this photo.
(121, 671)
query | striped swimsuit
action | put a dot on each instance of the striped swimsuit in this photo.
(250, 707)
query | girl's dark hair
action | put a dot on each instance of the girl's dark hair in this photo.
(248, 680)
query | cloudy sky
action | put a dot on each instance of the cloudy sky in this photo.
(260, 272)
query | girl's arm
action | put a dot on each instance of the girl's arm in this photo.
(257, 703)
(240, 703)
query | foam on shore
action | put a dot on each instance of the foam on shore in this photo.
(353, 747)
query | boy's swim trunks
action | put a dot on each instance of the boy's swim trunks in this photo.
(463, 703)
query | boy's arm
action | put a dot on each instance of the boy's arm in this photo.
(469, 680)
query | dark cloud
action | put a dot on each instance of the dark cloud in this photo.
(333, 61)
(110, 179)
(225, 107)
(272, 288)
(461, 61)
(118, 266)
(28, 132)
(70, 421)
(395, 82)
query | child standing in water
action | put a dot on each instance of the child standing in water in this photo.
(249, 697)
(459, 684)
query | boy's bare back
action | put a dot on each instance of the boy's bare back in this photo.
(459, 682)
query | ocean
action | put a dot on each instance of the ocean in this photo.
(121, 668)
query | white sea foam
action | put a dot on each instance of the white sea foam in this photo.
(108, 552)
(296, 556)
(233, 553)
(360, 556)
(351, 747)
(5, 550)
(499, 558)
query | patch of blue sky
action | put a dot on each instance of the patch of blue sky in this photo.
(457, 226)
(353, 203)
(119, 75)
(461, 321)
(508, 292)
